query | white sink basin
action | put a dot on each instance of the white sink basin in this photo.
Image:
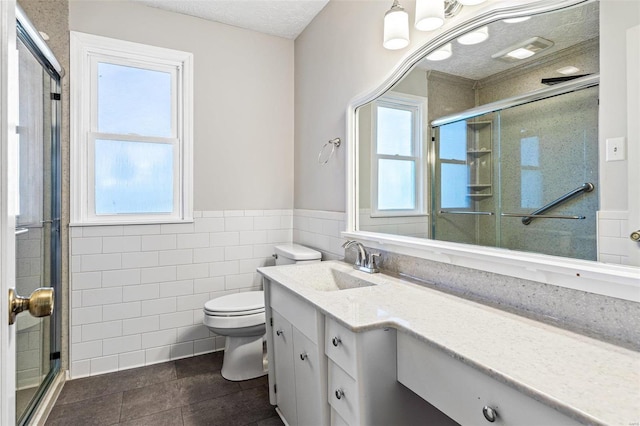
(328, 276)
(345, 281)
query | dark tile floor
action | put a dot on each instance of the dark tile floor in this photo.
(184, 392)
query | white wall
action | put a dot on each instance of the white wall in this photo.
(616, 16)
(243, 104)
(138, 291)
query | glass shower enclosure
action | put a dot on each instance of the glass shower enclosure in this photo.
(521, 177)
(38, 257)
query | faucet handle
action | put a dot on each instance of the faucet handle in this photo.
(371, 260)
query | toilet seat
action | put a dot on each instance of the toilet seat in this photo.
(238, 304)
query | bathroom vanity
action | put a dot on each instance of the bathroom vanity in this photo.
(350, 348)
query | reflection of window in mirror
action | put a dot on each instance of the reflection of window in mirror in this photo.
(397, 156)
(454, 173)
(530, 174)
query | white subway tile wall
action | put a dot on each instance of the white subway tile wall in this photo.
(137, 291)
(612, 238)
(320, 230)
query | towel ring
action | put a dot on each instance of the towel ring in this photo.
(335, 143)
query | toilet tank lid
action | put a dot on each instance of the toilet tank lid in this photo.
(297, 252)
(236, 302)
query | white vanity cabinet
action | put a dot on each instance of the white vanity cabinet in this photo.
(466, 394)
(362, 385)
(298, 366)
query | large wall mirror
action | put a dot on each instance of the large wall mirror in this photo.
(490, 138)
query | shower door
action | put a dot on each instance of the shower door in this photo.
(549, 149)
(523, 178)
(37, 225)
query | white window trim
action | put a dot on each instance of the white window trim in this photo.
(84, 47)
(419, 105)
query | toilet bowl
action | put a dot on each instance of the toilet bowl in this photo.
(240, 318)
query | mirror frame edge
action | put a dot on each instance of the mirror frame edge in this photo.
(619, 281)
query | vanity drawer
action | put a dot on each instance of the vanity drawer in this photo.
(296, 311)
(461, 392)
(340, 346)
(343, 394)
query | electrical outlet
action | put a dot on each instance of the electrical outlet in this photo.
(616, 149)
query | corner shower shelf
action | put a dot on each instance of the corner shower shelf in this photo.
(479, 159)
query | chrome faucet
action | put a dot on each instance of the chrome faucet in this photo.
(364, 261)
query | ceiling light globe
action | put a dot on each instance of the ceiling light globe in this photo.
(429, 14)
(516, 20)
(396, 29)
(475, 36)
(441, 53)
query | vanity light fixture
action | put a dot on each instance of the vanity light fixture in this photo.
(441, 53)
(474, 37)
(516, 20)
(568, 70)
(396, 27)
(523, 50)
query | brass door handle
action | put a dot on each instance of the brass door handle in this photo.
(39, 304)
(635, 236)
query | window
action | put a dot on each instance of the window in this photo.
(131, 147)
(397, 156)
(454, 171)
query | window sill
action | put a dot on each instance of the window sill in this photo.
(146, 222)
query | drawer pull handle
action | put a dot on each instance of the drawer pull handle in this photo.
(489, 413)
(304, 356)
(336, 341)
(339, 393)
(280, 332)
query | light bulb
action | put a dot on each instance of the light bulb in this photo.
(475, 36)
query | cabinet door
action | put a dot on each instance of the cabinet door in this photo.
(307, 372)
(284, 368)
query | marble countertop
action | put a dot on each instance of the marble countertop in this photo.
(589, 380)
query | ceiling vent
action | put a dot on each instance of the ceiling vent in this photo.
(523, 50)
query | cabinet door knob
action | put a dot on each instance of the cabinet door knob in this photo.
(489, 413)
(339, 393)
(280, 332)
(303, 356)
(336, 341)
(635, 236)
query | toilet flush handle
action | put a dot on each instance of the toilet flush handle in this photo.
(280, 332)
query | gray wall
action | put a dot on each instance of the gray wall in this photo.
(243, 129)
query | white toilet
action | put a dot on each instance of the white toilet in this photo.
(240, 317)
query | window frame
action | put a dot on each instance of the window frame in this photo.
(87, 50)
(418, 107)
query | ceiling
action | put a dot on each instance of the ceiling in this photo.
(566, 28)
(281, 18)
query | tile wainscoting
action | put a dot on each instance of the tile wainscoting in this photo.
(612, 239)
(137, 291)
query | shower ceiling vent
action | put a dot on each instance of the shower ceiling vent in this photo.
(523, 50)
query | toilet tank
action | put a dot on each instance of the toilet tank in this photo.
(287, 254)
